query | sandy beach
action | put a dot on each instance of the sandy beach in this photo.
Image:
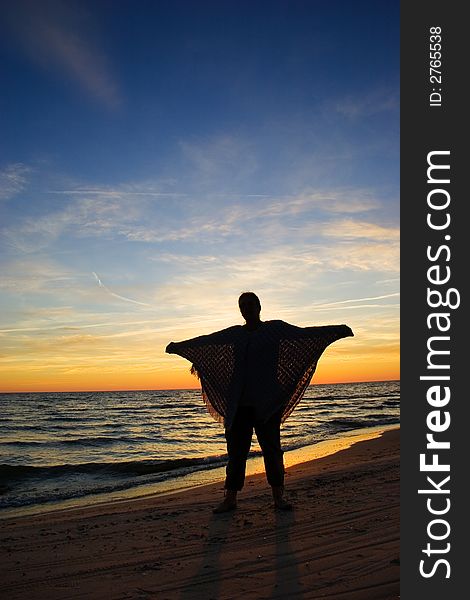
(340, 541)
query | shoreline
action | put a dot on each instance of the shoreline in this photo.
(341, 539)
(194, 479)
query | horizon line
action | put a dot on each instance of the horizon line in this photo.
(168, 389)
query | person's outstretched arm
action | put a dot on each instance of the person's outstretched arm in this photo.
(340, 330)
(335, 332)
(224, 336)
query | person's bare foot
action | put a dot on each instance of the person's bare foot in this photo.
(229, 503)
(280, 503)
(283, 504)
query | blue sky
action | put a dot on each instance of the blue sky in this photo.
(158, 158)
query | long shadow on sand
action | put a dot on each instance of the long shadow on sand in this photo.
(287, 571)
(205, 583)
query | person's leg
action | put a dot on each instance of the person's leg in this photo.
(238, 439)
(269, 438)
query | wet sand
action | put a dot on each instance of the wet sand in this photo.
(340, 541)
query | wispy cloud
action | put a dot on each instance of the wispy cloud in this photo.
(55, 35)
(116, 193)
(219, 155)
(33, 274)
(286, 275)
(355, 300)
(350, 229)
(376, 257)
(376, 101)
(80, 217)
(13, 180)
(149, 214)
(124, 298)
(328, 201)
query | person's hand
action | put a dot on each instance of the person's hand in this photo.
(169, 349)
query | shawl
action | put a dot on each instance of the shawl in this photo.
(286, 359)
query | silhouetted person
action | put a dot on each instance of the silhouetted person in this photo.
(252, 377)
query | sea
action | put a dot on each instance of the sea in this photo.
(65, 449)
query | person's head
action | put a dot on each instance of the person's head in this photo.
(250, 306)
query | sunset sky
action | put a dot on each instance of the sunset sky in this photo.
(157, 158)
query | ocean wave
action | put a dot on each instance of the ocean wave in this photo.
(393, 402)
(353, 396)
(134, 468)
(69, 418)
(84, 443)
(21, 443)
(368, 421)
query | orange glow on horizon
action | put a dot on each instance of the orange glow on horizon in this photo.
(329, 372)
(145, 366)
